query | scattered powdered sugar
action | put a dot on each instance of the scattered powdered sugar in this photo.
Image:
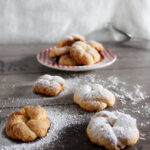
(123, 92)
(146, 108)
(142, 136)
(60, 117)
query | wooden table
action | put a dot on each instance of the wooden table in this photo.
(19, 69)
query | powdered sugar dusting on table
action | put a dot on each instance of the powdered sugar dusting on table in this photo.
(123, 92)
(65, 116)
(60, 117)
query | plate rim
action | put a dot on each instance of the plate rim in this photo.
(70, 68)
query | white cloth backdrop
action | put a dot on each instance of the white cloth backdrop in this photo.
(32, 21)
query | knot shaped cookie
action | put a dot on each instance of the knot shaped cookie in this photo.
(93, 97)
(84, 54)
(49, 85)
(113, 130)
(28, 123)
(68, 41)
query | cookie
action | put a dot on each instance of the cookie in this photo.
(49, 85)
(84, 54)
(68, 41)
(98, 46)
(67, 60)
(113, 130)
(28, 123)
(93, 97)
(59, 52)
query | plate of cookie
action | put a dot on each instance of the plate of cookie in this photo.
(74, 53)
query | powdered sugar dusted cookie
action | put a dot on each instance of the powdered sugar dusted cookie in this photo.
(68, 41)
(84, 54)
(113, 130)
(49, 85)
(93, 97)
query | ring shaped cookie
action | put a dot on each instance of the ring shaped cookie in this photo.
(49, 85)
(93, 97)
(84, 54)
(28, 123)
(113, 130)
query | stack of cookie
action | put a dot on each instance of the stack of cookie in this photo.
(75, 50)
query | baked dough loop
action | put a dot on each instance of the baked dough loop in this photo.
(93, 97)
(28, 123)
(84, 54)
(59, 51)
(67, 60)
(113, 130)
(49, 85)
(98, 46)
(68, 41)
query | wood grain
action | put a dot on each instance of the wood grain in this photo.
(19, 69)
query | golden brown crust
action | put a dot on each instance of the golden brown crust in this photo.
(28, 123)
(67, 60)
(70, 40)
(84, 54)
(59, 51)
(49, 85)
(98, 46)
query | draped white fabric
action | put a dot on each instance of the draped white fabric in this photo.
(32, 21)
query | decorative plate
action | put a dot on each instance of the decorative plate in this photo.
(108, 58)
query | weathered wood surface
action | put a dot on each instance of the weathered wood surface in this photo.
(19, 69)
